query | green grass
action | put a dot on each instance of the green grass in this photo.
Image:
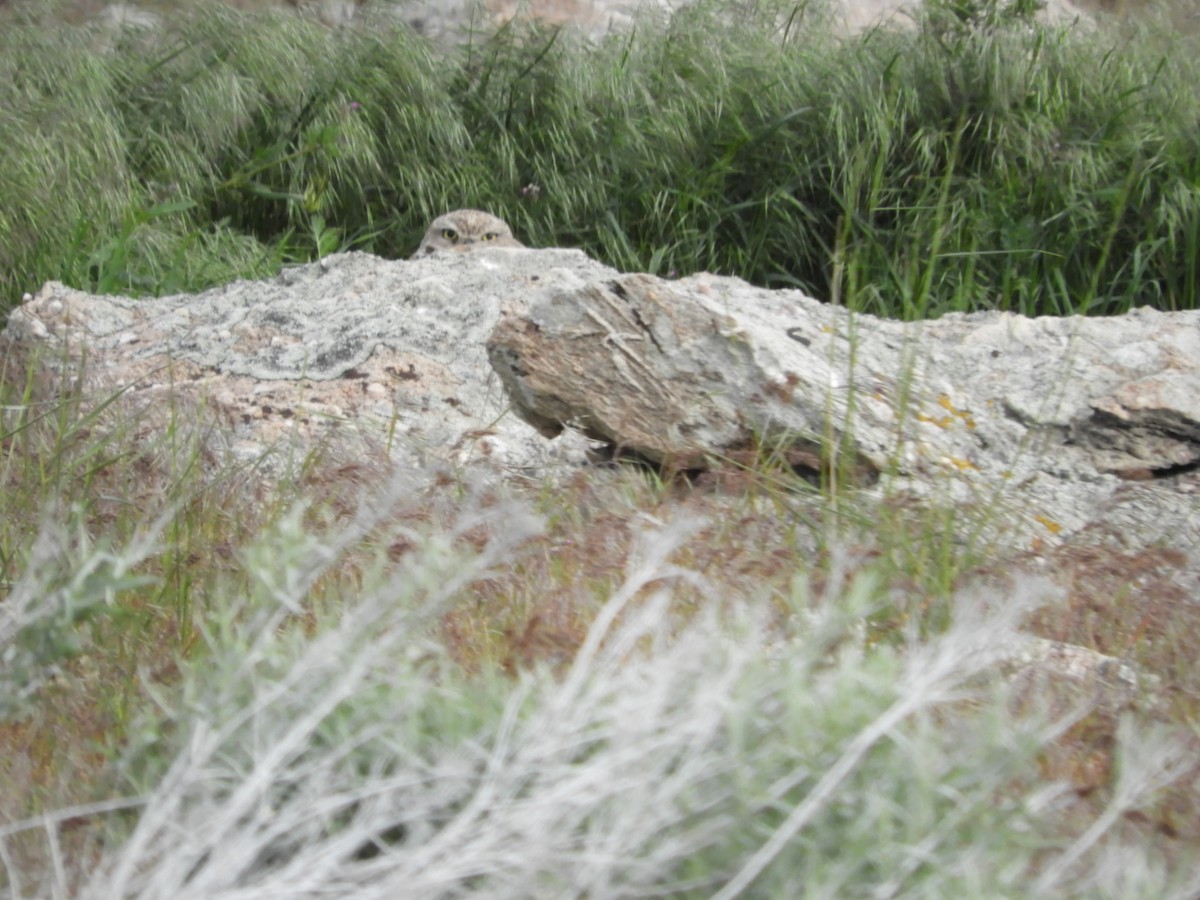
(957, 165)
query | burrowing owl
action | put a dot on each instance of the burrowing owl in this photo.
(464, 230)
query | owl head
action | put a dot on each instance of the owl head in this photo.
(465, 230)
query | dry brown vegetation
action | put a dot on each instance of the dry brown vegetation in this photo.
(750, 546)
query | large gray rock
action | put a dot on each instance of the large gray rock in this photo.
(1057, 416)
(1063, 425)
(366, 353)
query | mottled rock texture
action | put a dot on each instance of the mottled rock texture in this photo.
(354, 350)
(1074, 421)
(1067, 424)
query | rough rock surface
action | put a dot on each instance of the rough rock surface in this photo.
(1074, 421)
(386, 355)
(1065, 424)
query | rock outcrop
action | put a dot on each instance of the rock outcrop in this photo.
(1068, 423)
(358, 352)
(1060, 416)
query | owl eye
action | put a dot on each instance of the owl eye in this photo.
(450, 234)
(491, 235)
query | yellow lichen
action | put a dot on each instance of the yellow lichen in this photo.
(1049, 524)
